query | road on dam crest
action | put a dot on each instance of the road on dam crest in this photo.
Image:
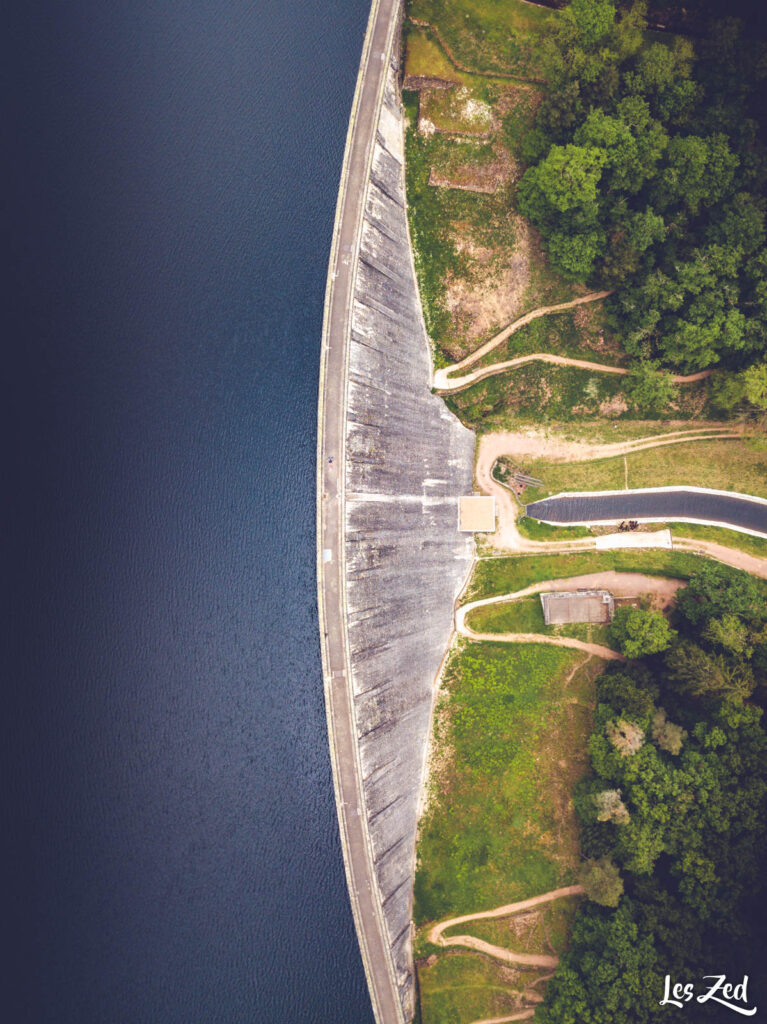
(331, 435)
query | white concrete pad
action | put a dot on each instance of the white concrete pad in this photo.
(476, 513)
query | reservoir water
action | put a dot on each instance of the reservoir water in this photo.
(168, 824)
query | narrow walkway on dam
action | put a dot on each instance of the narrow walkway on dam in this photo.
(700, 505)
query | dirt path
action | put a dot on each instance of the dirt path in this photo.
(522, 1015)
(530, 444)
(436, 936)
(620, 584)
(730, 556)
(448, 385)
(443, 382)
(598, 650)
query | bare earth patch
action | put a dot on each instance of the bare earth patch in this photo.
(456, 110)
(491, 293)
(471, 176)
(614, 406)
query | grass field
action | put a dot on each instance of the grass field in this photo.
(479, 265)
(526, 616)
(460, 987)
(735, 465)
(438, 216)
(609, 431)
(730, 538)
(534, 530)
(486, 35)
(502, 575)
(500, 824)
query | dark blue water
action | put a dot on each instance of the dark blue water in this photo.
(170, 844)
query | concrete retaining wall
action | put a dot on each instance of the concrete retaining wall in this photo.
(407, 461)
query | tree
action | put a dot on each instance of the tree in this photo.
(625, 697)
(715, 589)
(637, 632)
(574, 255)
(565, 181)
(609, 973)
(728, 390)
(648, 388)
(610, 807)
(696, 673)
(755, 385)
(601, 881)
(592, 19)
(668, 736)
(626, 737)
(729, 632)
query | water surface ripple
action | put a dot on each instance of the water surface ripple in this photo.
(171, 850)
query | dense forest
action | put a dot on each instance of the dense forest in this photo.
(646, 174)
(673, 813)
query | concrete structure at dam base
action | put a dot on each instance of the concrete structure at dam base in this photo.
(392, 464)
(407, 462)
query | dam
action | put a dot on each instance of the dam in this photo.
(392, 463)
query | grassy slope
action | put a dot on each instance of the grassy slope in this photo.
(724, 465)
(461, 987)
(545, 394)
(493, 576)
(526, 616)
(440, 216)
(485, 34)
(575, 333)
(500, 825)
(435, 214)
(545, 930)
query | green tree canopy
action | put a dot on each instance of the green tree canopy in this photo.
(637, 632)
(601, 881)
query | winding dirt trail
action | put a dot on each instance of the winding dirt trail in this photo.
(620, 584)
(449, 385)
(442, 380)
(598, 650)
(522, 1015)
(436, 935)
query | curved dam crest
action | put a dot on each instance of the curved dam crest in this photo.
(396, 554)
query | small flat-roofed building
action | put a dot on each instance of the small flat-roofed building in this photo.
(476, 513)
(577, 606)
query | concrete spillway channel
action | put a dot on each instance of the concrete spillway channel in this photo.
(392, 462)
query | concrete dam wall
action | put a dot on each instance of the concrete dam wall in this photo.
(407, 459)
